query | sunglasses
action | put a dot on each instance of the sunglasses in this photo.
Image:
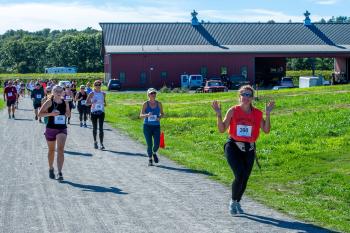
(153, 93)
(246, 95)
(97, 85)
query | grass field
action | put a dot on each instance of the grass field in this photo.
(305, 159)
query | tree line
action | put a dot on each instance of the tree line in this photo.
(31, 52)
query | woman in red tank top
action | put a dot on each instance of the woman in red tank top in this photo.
(243, 123)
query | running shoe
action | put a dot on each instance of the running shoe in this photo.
(51, 174)
(60, 177)
(81, 124)
(13, 116)
(233, 207)
(102, 147)
(40, 121)
(95, 145)
(9, 116)
(155, 157)
(36, 118)
(85, 125)
(150, 162)
(239, 208)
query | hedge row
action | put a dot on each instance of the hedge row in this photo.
(325, 73)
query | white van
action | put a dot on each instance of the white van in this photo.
(192, 81)
(195, 81)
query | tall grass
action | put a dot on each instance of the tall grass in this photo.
(305, 159)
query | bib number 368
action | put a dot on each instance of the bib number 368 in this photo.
(244, 130)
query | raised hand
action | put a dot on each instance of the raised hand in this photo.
(269, 106)
(216, 106)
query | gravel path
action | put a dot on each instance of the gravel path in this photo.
(113, 190)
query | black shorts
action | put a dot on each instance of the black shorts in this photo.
(10, 102)
(36, 105)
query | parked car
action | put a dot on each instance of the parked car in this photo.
(236, 81)
(286, 82)
(114, 84)
(214, 86)
(64, 83)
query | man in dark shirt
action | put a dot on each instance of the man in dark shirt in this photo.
(37, 95)
(10, 96)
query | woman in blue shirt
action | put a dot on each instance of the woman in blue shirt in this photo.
(152, 112)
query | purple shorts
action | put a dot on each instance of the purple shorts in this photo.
(50, 134)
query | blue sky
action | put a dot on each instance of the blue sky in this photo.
(36, 15)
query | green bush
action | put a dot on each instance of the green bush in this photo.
(165, 89)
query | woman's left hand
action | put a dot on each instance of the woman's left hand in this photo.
(269, 106)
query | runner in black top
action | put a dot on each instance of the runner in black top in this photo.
(83, 109)
(37, 95)
(57, 112)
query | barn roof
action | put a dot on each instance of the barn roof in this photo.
(226, 37)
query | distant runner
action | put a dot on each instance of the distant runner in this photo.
(97, 100)
(37, 95)
(152, 112)
(69, 97)
(57, 112)
(81, 97)
(10, 96)
(243, 122)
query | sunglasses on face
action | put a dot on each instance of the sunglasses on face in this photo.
(97, 85)
(247, 95)
(152, 93)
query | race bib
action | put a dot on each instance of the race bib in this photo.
(68, 98)
(38, 96)
(99, 107)
(83, 102)
(152, 118)
(9, 94)
(60, 120)
(244, 130)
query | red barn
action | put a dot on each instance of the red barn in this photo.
(142, 55)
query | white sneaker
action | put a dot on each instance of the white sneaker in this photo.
(233, 207)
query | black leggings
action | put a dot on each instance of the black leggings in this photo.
(83, 111)
(241, 164)
(100, 118)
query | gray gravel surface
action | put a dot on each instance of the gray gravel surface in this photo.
(113, 190)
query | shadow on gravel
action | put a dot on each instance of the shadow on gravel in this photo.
(126, 153)
(185, 170)
(94, 188)
(25, 110)
(299, 226)
(23, 119)
(77, 153)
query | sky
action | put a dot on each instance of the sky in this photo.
(80, 14)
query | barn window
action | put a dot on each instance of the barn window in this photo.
(143, 78)
(223, 70)
(204, 71)
(122, 77)
(244, 71)
(164, 75)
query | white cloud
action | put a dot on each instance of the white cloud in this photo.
(256, 15)
(326, 2)
(36, 16)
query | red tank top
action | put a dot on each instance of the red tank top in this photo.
(245, 127)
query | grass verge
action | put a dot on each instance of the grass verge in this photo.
(305, 159)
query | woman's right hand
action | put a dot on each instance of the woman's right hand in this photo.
(55, 113)
(216, 106)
